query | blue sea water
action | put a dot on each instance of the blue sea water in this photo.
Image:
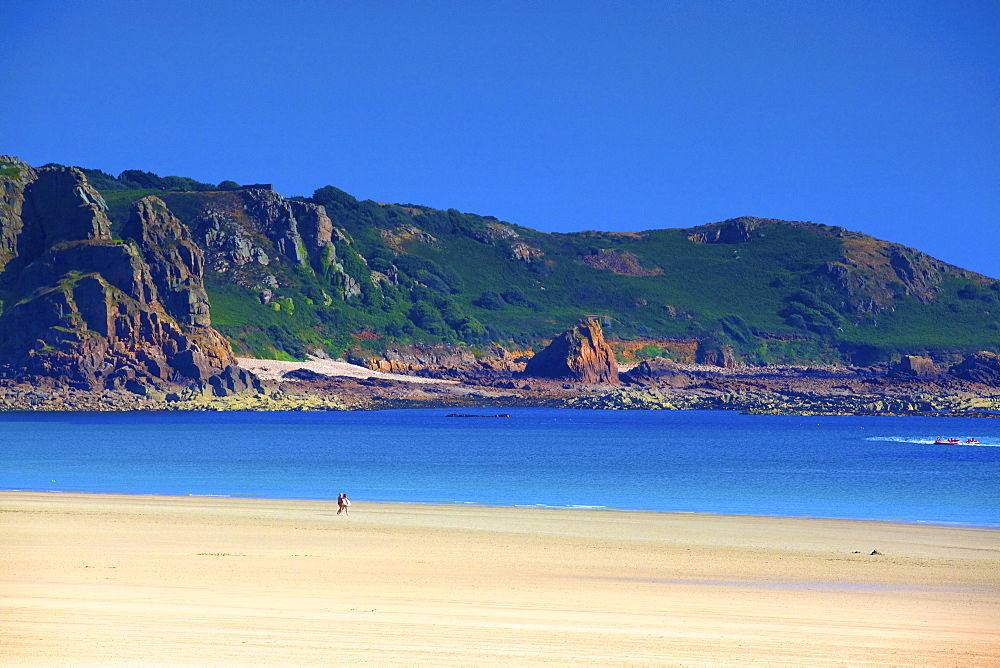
(884, 468)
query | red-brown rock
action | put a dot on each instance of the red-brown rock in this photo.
(579, 353)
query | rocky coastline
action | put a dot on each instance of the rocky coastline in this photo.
(572, 373)
(753, 390)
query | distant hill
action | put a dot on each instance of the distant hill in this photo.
(286, 277)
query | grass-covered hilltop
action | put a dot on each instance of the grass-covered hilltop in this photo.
(286, 277)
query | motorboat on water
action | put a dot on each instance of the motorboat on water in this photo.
(955, 441)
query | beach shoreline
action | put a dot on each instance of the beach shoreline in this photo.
(94, 578)
(540, 506)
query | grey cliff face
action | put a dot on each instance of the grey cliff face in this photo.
(248, 235)
(297, 229)
(17, 175)
(176, 264)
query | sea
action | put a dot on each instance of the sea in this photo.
(874, 468)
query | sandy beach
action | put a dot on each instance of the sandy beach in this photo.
(276, 370)
(96, 579)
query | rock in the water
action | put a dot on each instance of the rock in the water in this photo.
(580, 353)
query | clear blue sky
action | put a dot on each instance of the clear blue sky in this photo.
(882, 117)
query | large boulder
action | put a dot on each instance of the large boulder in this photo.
(580, 353)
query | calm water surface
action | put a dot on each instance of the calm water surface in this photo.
(688, 461)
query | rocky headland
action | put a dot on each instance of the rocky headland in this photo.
(93, 313)
(97, 314)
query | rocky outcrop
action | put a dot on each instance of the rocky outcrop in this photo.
(228, 243)
(580, 353)
(43, 208)
(981, 367)
(259, 240)
(404, 359)
(97, 313)
(914, 366)
(301, 231)
(279, 223)
(316, 228)
(657, 371)
(176, 264)
(14, 176)
(234, 380)
(920, 273)
(620, 262)
(713, 353)
(733, 231)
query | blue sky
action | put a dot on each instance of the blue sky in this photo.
(882, 117)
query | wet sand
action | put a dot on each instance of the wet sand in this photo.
(101, 579)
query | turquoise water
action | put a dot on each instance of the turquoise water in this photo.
(682, 461)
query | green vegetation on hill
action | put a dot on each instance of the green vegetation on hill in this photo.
(771, 291)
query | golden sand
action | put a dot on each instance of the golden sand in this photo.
(95, 579)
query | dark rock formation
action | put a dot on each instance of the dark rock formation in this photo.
(916, 367)
(733, 231)
(304, 374)
(714, 353)
(15, 176)
(93, 312)
(234, 380)
(919, 272)
(246, 234)
(981, 367)
(299, 230)
(657, 371)
(580, 353)
(280, 223)
(44, 208)
(175, 263)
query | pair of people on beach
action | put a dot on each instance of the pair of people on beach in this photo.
(343, 504)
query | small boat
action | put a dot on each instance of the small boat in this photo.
(971, 441)
(945, 441)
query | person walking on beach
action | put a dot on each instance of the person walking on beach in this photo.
(343, 504)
